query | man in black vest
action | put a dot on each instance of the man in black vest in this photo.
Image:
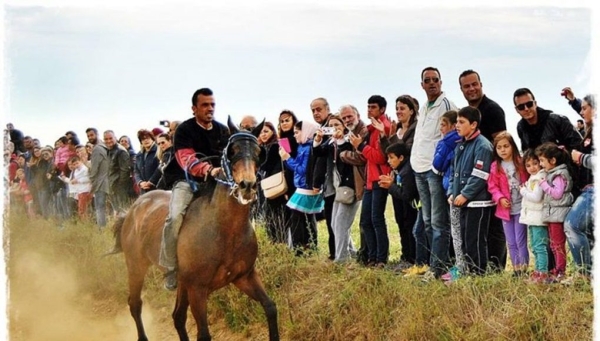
(493, 121)
(200, 134)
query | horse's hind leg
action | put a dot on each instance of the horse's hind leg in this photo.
(136, 282)
(180, 313)
(252, 286)
(198, 302)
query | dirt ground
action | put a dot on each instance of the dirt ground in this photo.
(45, 304)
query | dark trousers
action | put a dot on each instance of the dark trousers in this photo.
(405, 216)
(328, 210)
(474, 226)
(277, 217)
(372, 223)
(496, 245)
(304, 231)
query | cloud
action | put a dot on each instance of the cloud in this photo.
(311, 26)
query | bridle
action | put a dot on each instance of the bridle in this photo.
(227, 161)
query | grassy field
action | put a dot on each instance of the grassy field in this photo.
(60, 288)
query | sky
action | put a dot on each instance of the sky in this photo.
(124, 65)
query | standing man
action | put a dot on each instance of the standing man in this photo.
(248, 123)
(493, 121)
(372, 216)
(323, 171)
(199, 134)
(356, 126)
(16, 137)
(539, 125)
(435, 208)
(119, 172)
(98, 175)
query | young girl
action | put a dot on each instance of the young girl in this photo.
(531, 215)
(507, 174)
(305, 201)
(557, 200)
(20, 189)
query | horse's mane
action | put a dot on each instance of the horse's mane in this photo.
(206, 188)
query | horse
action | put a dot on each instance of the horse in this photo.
(216, 244)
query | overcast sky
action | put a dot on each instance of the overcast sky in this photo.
(125, 68)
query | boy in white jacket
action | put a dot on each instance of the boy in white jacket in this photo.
(531, 215)
(80, 185)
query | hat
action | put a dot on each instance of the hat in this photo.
(157, 131)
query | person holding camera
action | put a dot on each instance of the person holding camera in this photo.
(345, 204)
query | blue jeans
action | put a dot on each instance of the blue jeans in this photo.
(435, 212)
(100, 204)
(372, 223)
(579, 225)
(421, 241)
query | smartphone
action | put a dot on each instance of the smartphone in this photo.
(285, 144)
(328, 130)
(164, 123)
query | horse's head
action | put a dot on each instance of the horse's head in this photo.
(240, 162)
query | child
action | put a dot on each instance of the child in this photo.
(507, 174)
(442, 165)
(81, 185)
(531, 215)
(21, 190)
(305, 201)
(557, 200)
(468, 189)
(401, 185)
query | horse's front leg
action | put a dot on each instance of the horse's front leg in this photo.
(253, 287)
(180, 313)
(198, 301)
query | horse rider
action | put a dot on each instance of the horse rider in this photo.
(197, 135)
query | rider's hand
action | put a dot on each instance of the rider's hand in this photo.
(215, 171)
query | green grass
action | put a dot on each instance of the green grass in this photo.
(316, 299)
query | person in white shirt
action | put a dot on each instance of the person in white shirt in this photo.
(80, 185)
(435, 208)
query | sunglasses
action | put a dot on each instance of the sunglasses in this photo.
(429, 80)
(523, 105)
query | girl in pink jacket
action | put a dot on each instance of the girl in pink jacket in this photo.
(507, 174)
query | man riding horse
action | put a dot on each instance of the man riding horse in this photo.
(195, 138)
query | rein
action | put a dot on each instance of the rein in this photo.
(225, 161)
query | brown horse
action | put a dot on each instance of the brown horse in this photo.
(216, 244)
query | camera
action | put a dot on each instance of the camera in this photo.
(164, 123)
(328, 130)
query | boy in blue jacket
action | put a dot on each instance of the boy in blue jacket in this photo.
(401, 185)
(468, 189)
(442, 165)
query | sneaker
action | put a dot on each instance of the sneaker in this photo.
(452, 275)
(171, 280)
(402, 265)
(428, 276)
(416, 270)
(538, 277)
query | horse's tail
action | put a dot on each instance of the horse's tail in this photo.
(117, 227)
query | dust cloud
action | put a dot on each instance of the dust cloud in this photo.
(45, 305)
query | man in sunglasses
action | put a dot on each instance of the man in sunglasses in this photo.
(539, 125)
(429, 184)
(493, 121)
